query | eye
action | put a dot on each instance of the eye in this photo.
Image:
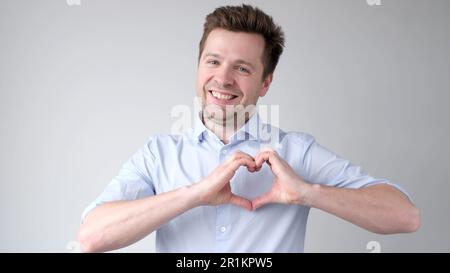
(213, 62)
(243, 69)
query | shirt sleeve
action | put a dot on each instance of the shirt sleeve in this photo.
(133, 181)
(325, 167)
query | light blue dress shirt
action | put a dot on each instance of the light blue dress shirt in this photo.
(167, 162)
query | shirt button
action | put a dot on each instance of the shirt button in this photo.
(223, 229)
(224, 151)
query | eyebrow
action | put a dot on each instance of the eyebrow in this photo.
(240, 61)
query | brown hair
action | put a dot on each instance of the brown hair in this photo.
(249, 19)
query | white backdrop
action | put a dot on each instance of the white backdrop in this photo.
(83, 86)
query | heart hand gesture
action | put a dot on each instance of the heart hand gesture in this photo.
(288, 187)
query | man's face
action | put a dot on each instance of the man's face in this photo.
(230, 71)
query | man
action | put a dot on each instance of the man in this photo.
(192, 190)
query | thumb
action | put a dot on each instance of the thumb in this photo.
(240, 201)
(263, 200)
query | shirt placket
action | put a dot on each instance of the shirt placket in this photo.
(223, 215)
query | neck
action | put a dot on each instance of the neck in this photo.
(226, 128)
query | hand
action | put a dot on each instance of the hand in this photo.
(288, 187)
(215, 188)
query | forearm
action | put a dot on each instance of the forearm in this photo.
(118, 224)
(379, 208)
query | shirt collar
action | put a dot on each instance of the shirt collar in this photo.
(199, 128)
(250, 130)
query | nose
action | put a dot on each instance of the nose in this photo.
(224, 77)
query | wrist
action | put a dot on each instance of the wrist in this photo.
(309, 194)
(195, 194)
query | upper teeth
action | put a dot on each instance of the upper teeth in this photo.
(221, 96)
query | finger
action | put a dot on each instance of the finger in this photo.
(252, 169)
(250, 163)
(271, 157)
(261, 157)
(263, 200)
(240, 201)
(229, 170)
(237, 155)
(225, 172)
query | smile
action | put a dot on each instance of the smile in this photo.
(222, 96)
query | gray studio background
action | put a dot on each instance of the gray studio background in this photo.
(82, 87)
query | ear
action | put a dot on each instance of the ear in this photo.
(265, 85)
